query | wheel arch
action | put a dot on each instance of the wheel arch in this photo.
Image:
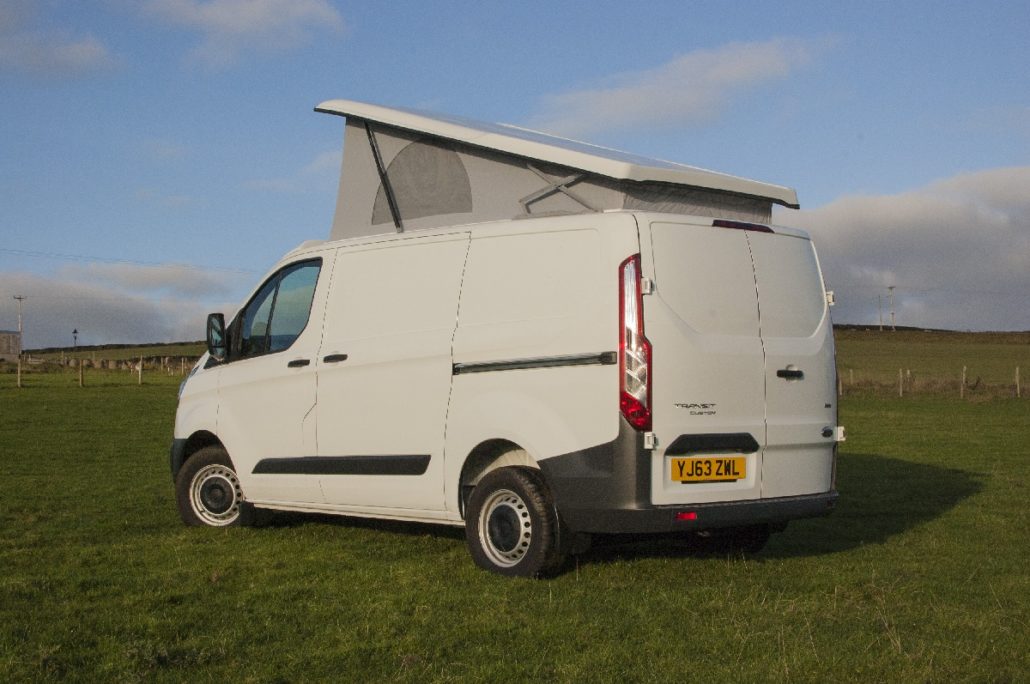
(183, 450)
(486, 457)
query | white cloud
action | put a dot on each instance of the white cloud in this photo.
(118, 303)
(52, 53)
(322, 171)
(163, 150)
(229, 28)
(166, 200)
(177, 280)
(1004, 120)
(957, 250)
(689, 90)
(326, 162)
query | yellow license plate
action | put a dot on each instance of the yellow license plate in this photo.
(709, 469)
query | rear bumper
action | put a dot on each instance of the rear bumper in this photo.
(606, 489)
(705, 516)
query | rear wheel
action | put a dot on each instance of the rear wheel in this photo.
(208, 492)
(511, 525)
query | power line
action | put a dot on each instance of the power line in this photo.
(928, 290)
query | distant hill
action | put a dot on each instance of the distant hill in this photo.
(122, 351)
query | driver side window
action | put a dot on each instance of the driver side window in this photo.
(279, 312)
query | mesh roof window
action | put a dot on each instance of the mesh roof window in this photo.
(428, 178)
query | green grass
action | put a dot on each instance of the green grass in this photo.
(876, 356)
(920, 575)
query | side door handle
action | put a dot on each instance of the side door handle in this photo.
(790, 374)
(334, 358)
(298, 363)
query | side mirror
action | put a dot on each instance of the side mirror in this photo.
(217, 345)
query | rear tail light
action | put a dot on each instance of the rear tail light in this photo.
(634, 349)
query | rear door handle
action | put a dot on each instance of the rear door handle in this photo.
(790, 374)
(298, 363)
(334, 358)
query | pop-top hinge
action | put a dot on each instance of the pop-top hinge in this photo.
(650, 441)
(646, 286)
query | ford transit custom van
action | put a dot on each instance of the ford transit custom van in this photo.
(529, 337)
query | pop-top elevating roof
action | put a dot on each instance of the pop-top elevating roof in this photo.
(404, 167)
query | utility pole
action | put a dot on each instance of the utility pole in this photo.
(21, 344)
(20, 298)
(890, 289)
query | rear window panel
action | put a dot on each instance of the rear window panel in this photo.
(792, 302)
(704, 275)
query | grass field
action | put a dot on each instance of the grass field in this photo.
(188, 349)
(874, 357)
(920, 575)
(868, 360)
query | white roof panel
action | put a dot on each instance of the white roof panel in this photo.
(548, 148)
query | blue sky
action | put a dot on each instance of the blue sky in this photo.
(157, 156)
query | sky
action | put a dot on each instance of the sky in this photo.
(158, 156)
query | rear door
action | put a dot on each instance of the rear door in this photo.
(799, 365)
(708, 372)
(743, 365)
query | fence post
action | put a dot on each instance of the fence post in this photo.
(851, 377)
(1017, 382)
(81, 366)
(840, 386)
(19, 371)
(141, 369)
(901, 383)
(962, 387)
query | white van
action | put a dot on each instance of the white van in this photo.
(534, 379)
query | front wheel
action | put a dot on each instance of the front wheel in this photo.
(511, 525)
(208, 492)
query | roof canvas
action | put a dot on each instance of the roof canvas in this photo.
(530, 144)
(407, 170)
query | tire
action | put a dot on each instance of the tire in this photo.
(512, 527)
(208, 492)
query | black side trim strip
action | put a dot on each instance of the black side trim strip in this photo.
(602, 359)
(344, 465)
(737, 442)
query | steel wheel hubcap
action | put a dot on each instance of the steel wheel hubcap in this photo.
(505, 528)
(216, 495)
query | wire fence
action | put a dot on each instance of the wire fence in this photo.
(966, 382)
(87, 370)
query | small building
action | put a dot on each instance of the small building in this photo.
(10, 345)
